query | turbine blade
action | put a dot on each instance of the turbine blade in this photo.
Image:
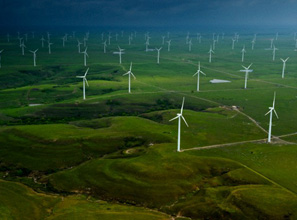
(203, 73)
(133, 75)
(79, 76)
(275, 113)
(182, 107)
(130, 66)
(185, 121)
(86, 81)
(274, 99)
(250, 65)
(87, 72)
(174, 118)
(269, 111)
(126, 73)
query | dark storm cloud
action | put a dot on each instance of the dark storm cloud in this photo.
(147, 12)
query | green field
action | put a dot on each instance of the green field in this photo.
(113, 155)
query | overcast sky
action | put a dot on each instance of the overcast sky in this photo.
(148, 12)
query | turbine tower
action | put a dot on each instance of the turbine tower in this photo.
(42, 41)
(78, 45)
(190, 45)
(247, 71)
(104, 46)
(198, 76)
(243, 51)
(273, 52)
(270, 118)
(158, 58)
(169, 44)
(284, 66)
(129, 73)
(49, 47)
(34, 56)
(84, 77)
(210, 52)
(179, 116)
(85, 56)
(23, 46)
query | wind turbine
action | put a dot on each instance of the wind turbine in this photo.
(0, 56)
(179, 116)
(243, 51)
(21, 40)
(270, 118)
(214, 44)
(85, 56)
(146, 45)
(158, 58)
(163, 40)
(273, 52)
(169, 44)
(233, 42)
(190, 45)
(42, 41)
(78, 45)
(121, 51)
(104, 46)
(210, 52)
(247, 71)
(129, 73)
(34, 56)
(84, 77)
(284, 66)
(198, 76)
(49, 47)
(253, 44)
(23, 48)
(271, 42)
(64, 39)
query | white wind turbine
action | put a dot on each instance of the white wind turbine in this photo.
(85, 81)
(190, 45)
(273, 52)
(247, 71)
(23, 46)
(85, 56)
(243, 51)
(42, 41)
(253, 44)
(21, 40)
(49, 47)
(104, 46)
(78, 45)
(129, 73)
(271, 42)
(233, 42)
(120, 52)
(146, 45)
(0, 56)
(210, 52)
(64, 40)
(34, 56)
(163, 40)
(284, 66)
(158, 58)
(85, 41)
(198, 76)
(271, 110)
(179, 116)
(169, 44)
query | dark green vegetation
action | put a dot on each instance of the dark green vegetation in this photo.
(113, 155)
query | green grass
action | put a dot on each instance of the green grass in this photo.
(87, 148)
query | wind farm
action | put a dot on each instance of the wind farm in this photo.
(166, 145)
